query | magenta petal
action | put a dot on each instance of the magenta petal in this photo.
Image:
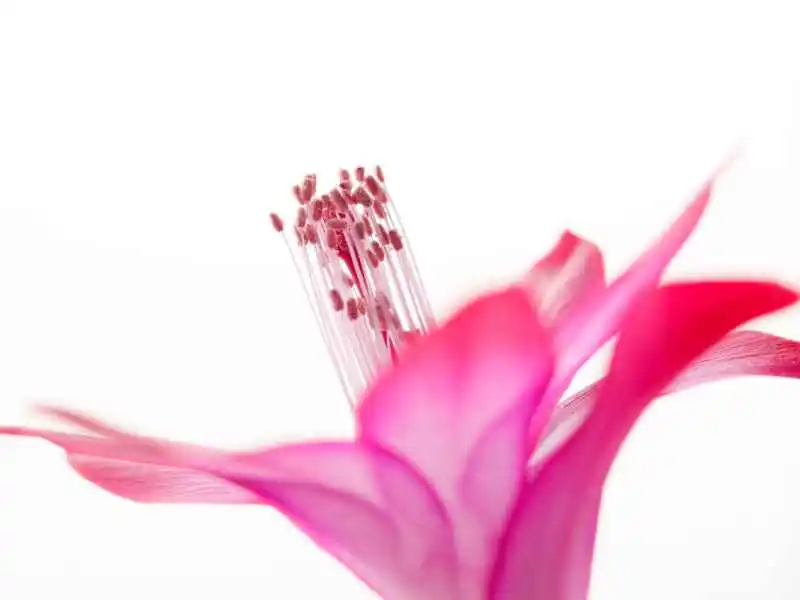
(550, 539)
(365, 507)
(566, 276)
(598, 318)
(457, 406)
(740, 353)
(358, 502)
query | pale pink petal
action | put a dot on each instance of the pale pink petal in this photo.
(740, 353)
(358, 502)
(550, 539)
(134, 473)
(597, 319)
(571, 272)
(457, 406)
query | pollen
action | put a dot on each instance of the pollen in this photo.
(358, 272)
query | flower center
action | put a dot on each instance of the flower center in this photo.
(358, 272)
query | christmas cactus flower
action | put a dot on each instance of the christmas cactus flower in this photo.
(467, 478)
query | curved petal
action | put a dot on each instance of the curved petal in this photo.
(572, 271)
(549, 543)
(358, 502)
(457, 406)
(740, 353)
(598, 318)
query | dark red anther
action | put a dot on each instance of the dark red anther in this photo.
(360, 174)
(327, 206)
(367, 226)
(344, 175)
(331, 239)
(358, 230)
(309, 187)
(311, 234)
(328, 209)
(346, 185)
(302, 217)
(383, 237)
(373, 260)
(382, 197)
(337, 224)
(378, 251)
(336, 300)
(362, 197)
(395, 240)
(316, 210)
(339, 201)
(352, 309)
(372, 185)
(379, 174)
(277, 222)
(379, 210)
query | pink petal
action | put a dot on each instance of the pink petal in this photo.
(130, 472)
(550, 539)
(738, 354)
(457, 406)
(597, 319)
(571, 272)
(358, 502)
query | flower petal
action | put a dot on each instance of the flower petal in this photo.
(457, 406)
(550, 539)
(740, 353)
(358, 502)
(571, 272)
(598, 318)
(128, 471)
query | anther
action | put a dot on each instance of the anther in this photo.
(372, 185)
(367, 226)
(331, 239)
(352, 309)
(394, 238)
(309, 187)
(311, 234)
(336, 300)
(277, 222)
(339, 201)
(359, 230)
(377, 251)
(383, 236)
(316, 210)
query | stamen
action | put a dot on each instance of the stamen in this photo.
(358, 274)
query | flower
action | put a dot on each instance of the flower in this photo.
(466, 480)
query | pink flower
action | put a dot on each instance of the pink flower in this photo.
(466, 480)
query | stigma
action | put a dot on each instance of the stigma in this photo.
(359, 275)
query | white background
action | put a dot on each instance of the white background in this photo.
(143, 145)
